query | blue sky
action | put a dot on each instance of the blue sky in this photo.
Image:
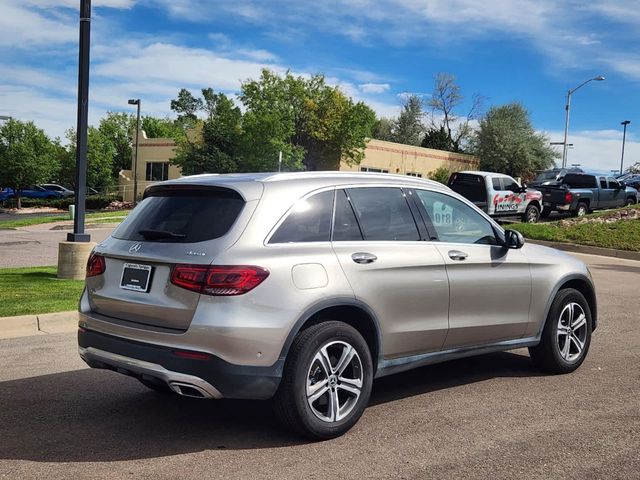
(506, 50)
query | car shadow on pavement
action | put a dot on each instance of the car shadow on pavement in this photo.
(93, 416)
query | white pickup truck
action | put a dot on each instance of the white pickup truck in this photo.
(497, 194)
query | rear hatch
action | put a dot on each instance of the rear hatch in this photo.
(174, 224)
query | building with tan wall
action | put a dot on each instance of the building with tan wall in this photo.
(155, 154)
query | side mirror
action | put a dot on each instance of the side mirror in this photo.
(513, 239)
(623, 185)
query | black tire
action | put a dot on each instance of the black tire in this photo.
(548, 355)
(157, 387)
(290, 402)
(581, 210)
(630, 201)
(531, 214)
(545, 213)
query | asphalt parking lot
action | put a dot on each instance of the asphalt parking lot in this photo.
(485, 417)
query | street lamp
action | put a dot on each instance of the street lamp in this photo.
(136, 101)
(624, 137)
(599, 78)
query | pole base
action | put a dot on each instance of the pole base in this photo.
(72, 259)
(78, 237)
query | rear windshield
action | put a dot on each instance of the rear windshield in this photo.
(574, 180)
(548, 175)
(469, 186)
(182, 216)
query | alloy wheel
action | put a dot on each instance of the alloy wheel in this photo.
(572, 332)
(334, 381)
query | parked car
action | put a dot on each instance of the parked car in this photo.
(497, 194)
(5, 194)
(580, 193)
(632, 181)
(553, 176)
(53, 187)
(306, 286)
(36, 191)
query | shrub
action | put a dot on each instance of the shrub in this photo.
(440, 174)
(93, 202)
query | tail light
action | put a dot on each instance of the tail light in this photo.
(568, 197)
(219, 280)
(95, 265)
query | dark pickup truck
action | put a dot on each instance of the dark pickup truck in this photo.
(580, 193)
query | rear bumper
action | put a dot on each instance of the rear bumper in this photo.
(203, 378)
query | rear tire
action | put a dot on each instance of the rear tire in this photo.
(566, 336)
(531, 214)
(582, 210)
(319, 396)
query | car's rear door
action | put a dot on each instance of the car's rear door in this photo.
(490, 286)
(380, 244)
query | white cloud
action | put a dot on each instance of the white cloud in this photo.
(374, 87)
(599, 149)
(23, 27)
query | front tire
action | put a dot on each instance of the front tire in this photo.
(630, 201)
(566, 336)
(326, 383)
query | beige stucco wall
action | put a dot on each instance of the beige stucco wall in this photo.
(149, 150)
(393, 157)
(403, 159)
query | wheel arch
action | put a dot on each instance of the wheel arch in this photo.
(582, 284)
(348, 310)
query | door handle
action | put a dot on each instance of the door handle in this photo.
(363, 257)
(457, 255)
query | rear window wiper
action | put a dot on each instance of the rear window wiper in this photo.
(160, 234)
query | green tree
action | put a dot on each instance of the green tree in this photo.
(187, 107)
(118, 128)
(100, 157)
(27, 156)
(408, 127)
(155, 127)
(440, 174)
(382, 129)
(506, 142)
(313, 124)
(214, 144)
(438, 138)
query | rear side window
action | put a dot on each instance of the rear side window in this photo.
(496, 184)
(308, 221)
(384, 214)
(345, 225)
(182, 216)
(574, 180)
(470, 186)
(603, 183)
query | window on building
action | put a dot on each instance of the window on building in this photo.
(374, 170)
(414, 174)
(157, 171)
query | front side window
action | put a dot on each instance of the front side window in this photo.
(613, 183)
(454, 221)
(384, 214)
(308, 221)
(511, 185)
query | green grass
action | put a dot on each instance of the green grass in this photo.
(35, 290)
(99, 217)
(621, 235)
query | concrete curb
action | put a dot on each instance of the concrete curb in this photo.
(27, 325)
(589, 250)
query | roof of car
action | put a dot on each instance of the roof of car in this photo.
(484, 174)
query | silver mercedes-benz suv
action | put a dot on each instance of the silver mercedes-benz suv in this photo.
(304, 287)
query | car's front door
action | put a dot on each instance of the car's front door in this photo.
(617, 193)
(390, 267)
(490, 286)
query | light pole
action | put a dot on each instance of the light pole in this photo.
(624, 137)
(136, 101)
(599, 78)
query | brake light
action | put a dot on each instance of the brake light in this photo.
(218, 280)
(568, 197)
(189, 355)
(95, 265)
